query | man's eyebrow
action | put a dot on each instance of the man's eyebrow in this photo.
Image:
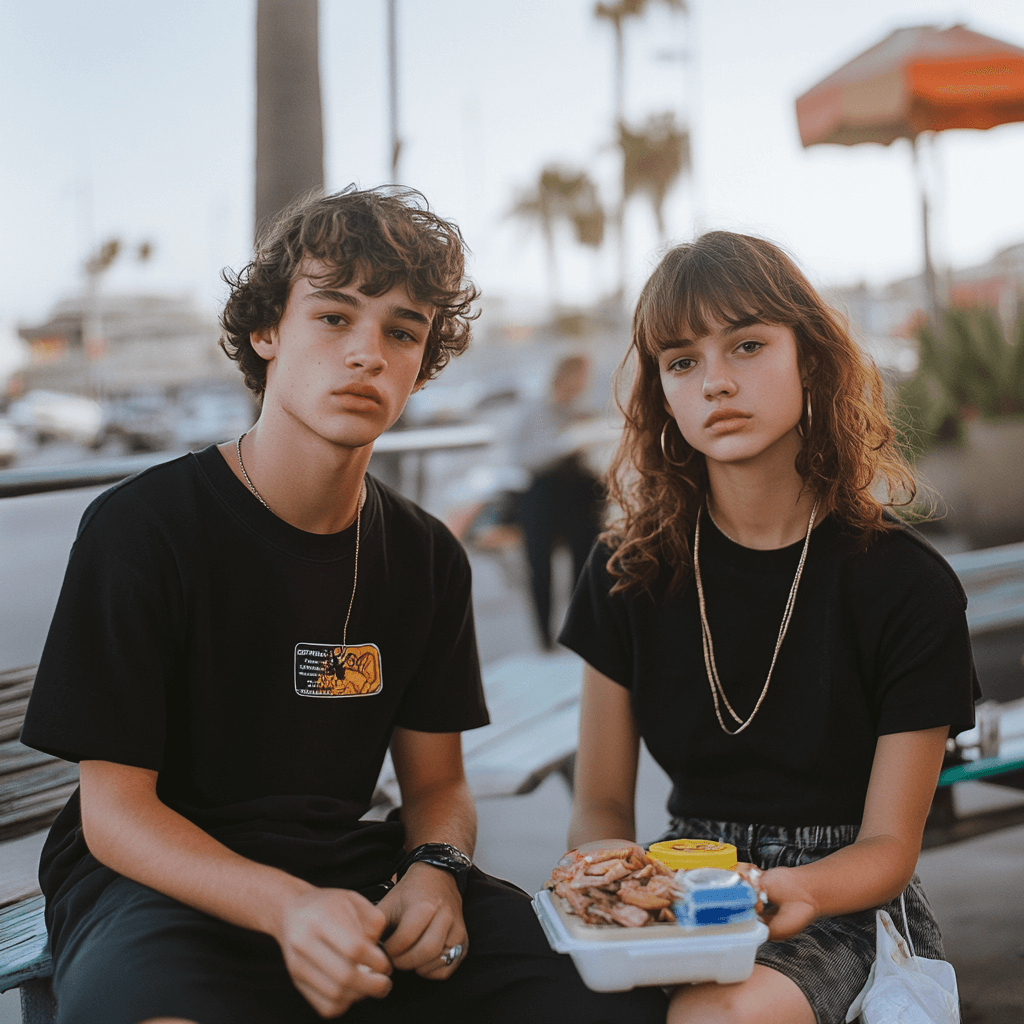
(403, 313)
(353, 302)
(333, 296)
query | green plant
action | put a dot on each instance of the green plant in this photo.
(968, 369)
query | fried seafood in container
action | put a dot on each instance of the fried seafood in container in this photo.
(610, 958)
(625, 920)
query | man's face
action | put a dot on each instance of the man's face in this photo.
(342, 364)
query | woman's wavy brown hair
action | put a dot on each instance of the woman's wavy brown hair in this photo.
(383, 237)
(850, 449)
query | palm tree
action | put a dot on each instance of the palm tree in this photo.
(289, 122)
(562, 194)
(653, 158)
(616, 14)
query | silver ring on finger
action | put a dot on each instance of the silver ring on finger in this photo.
(449, 956)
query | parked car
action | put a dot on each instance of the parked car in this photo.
(144, 421)
(47, 415)
(9, 442)
(209, 416)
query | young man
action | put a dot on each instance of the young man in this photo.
(241, 634)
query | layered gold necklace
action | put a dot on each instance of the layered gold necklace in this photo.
(717, 691)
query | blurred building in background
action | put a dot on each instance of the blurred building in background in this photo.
(886, 318)
(146, 342)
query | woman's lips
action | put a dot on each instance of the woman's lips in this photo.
(724, 420)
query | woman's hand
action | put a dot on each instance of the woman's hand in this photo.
(782, 901)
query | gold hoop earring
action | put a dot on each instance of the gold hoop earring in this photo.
(664, 446)
(800, 429)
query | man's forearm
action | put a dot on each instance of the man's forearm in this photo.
(130, 830)
(444, 814)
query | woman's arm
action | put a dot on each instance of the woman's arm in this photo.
(877, 867)
(328, 936)
(606, 763)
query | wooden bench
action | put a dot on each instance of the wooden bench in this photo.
(533, 702)
(534, 705)
(25, 959)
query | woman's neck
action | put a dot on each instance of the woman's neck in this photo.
(761, 511)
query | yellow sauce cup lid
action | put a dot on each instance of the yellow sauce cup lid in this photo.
(686, 854)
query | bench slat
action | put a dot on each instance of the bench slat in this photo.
(983, 767)
(24, 949)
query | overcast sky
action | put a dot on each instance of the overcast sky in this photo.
(136, 120)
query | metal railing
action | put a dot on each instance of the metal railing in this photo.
(97, 472)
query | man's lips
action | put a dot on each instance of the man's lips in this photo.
(367, 391)
(724, 415)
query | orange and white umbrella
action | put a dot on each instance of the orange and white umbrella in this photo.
(916, 80)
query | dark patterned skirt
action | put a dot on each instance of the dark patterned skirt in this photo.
(830, 959)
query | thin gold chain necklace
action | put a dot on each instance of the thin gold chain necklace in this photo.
(359, 516)
(705, 630)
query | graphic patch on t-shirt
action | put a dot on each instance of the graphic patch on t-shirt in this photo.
(330, 670)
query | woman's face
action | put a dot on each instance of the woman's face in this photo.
(737, 393)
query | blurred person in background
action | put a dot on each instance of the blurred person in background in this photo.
(241, 635)
(563, 501)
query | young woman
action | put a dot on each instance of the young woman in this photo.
(792, 655)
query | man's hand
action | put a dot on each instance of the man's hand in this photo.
(425, 911)
(329, 940)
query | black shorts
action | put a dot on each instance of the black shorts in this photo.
(138, 954)
(830, 959)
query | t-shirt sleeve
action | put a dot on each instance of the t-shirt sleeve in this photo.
(926, 673)
(446, 694)
(102, 683)
(597, 623)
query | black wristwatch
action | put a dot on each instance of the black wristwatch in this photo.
(439, 855)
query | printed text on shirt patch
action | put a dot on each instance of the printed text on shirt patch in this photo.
(330, 670)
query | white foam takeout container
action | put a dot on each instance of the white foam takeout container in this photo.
(614, 959)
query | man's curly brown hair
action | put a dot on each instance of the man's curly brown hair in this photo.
(851, 457)
(384, 237)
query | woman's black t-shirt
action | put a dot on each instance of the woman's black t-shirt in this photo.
(878, 643)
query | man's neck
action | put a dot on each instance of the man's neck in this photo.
(303, 479)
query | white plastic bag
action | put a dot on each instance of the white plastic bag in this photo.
(903, 988)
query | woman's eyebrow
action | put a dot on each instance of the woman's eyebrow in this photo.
(743, 323)
(666, 344)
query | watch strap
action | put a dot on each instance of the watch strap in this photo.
(438, 855)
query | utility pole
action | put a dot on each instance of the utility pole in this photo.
(289, 119)
(396, 140)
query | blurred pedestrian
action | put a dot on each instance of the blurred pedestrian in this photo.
(562, 504)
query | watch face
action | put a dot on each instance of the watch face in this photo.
(458, 858)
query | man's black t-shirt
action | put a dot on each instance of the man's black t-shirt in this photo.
(200, 636)
(878, 643)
